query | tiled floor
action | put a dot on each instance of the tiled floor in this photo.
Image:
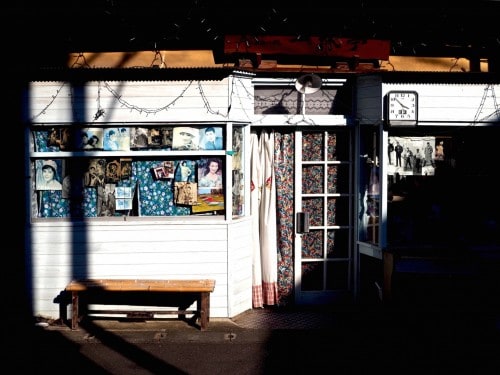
(276, 318)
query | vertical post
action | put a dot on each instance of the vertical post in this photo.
(204, 310)
(74, 310)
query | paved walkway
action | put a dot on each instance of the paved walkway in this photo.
(272, 341)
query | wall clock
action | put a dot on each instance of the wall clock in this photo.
(402, 107)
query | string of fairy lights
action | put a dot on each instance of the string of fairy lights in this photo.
(127, 103)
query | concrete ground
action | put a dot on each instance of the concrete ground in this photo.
(358, 340)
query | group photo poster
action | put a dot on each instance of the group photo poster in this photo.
(411, 156)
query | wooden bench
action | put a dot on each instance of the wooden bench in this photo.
(201, 288)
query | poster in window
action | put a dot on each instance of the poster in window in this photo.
(210, 186)
(185, 171)
(409, 156)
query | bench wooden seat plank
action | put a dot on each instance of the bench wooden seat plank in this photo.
(204, 287)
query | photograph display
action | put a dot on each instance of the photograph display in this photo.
(97, 184)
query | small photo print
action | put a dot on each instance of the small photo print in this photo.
(54, 137)
(154, 137)
(113, 173)
(116, 139)
(48, 175)
(169, 167)
(185, 171)
(67, 139)
(210, 174)
(139, 137)
(167, 134)
(159, 173)
(62, 138)
(186, 138)
(186, 193)
(125, 168)
(124, 192)
(91, 139)
(123, 196)
(106, 200)
(95, 173)
(211, 138)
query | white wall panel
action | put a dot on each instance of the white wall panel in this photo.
(454, 104)
(160, 252)
(57, 102)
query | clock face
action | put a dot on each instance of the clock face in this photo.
(402, 107)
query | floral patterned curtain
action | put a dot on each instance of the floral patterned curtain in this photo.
(272, 171)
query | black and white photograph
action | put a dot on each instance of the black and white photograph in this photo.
(95, 175)
(90, 139)
(138, 138)
(185, 193)
(113, 173)
(411, 156)
(186, 138)
(48, 175)
(125, 168)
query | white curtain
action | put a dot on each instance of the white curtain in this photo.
(263, 207)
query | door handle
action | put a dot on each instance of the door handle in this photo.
(302, 219)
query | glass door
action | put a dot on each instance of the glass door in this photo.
(323, 205)
(370, 211)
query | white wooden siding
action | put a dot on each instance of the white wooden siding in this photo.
(368, 99)
(453, 104)
(60, 252)
(155, 248)
(137, 101)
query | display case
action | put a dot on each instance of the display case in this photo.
(82, 171)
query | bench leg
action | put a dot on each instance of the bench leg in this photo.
(204, 310)
(74, 310)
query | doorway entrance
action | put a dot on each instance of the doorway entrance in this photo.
(323, 246)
